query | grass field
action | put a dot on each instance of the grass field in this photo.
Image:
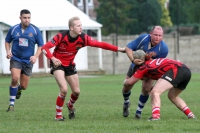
(98, 109)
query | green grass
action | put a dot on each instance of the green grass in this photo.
(98, 109)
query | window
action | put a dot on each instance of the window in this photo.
(71, 1)
(80, 3)
(90, 2)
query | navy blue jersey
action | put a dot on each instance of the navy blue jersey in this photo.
(23, 44)
(143, 43)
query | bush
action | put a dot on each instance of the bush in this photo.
(184, 30)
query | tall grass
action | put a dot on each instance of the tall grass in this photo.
(98, 109)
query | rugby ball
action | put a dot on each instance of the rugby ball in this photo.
(139, 54)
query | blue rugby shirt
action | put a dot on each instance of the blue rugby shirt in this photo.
(23, 44)
(143, 43)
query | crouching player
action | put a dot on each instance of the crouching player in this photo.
(170, 75)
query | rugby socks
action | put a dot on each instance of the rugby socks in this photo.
(188, 112)
(126, 97)
(72, 101)
(59, 105)
(156, 112)
(142, 100)
(13, 93)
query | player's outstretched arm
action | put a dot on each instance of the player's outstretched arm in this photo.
(104, 45)
(123, 50)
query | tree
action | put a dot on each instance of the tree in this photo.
(146, 13)
(133, 16)
(193, 11)
(165, 19)
(106, 15)
(177, 13)
(186, 14)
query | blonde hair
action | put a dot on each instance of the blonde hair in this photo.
(71, 21)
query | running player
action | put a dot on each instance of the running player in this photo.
(22, 55)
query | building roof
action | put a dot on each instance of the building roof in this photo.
(45, 14)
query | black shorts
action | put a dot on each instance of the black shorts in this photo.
(181, 79)
(69, 70)
(132, 70)
(25, 68)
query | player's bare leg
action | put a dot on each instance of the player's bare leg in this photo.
(24, 80)
(179, 103)
(160, 87)
(73, 82)
(61, 81)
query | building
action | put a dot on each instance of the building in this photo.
(87, 6)
(51, 16)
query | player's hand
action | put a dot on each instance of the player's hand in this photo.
(9, 55)
(149, 55)
(138, 61)
(33, 59)
(121, 50)
(56, 62)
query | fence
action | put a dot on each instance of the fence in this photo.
(117, 63)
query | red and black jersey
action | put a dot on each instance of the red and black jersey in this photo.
(67, 47)
(154, 69)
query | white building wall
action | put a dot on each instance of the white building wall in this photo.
(5, 63)
(81, 59)
(1, 45)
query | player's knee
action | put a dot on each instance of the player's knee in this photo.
(23, 87)
(76, 93)
(63, 91)
(154, 94)
(171, 97)
(146, 90)
(126, 89)
(14, 81)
